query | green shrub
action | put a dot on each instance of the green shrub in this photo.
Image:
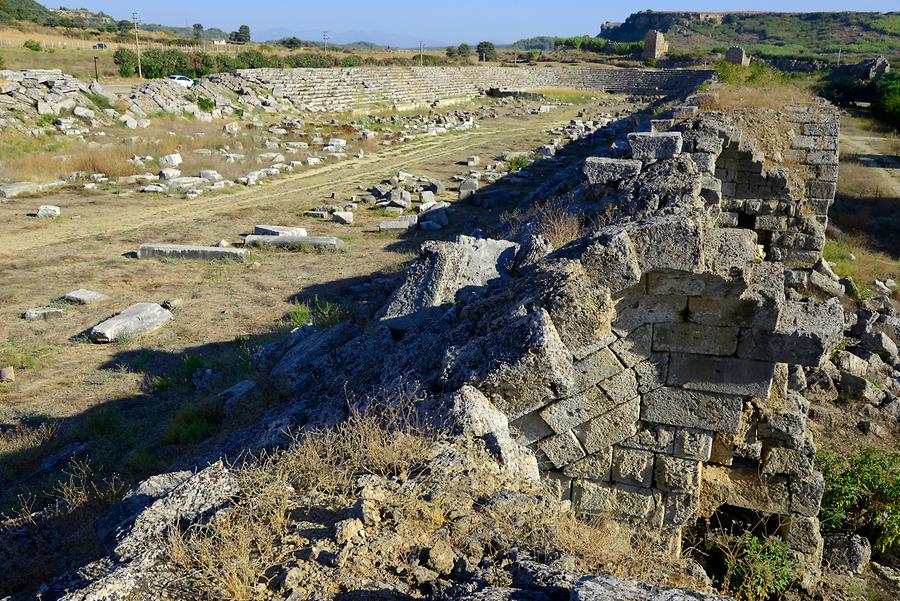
(517, 163)
(127, 60)
(2, 64)
(206, 104)
(33, 45)
(756, 568)
(321, 313)
(99, 100)
(141, 462)
(758, 74)
(862, 494)
(887, 99)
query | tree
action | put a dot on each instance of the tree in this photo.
(244, 34)
(124, 26)
(452, 52)
(198, 31)
(486, 51)
(464, 51)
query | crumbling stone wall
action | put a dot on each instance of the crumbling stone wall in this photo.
(368, 87)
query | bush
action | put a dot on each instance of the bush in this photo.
(33, 45)
(127, 61)
(2, 64)
(758, 74)
(205, 104)
(862, 494)
(517, 163)
(887, 99)
(756, 569)
(486, 51)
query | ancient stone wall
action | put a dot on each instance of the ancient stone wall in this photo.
(374, 87)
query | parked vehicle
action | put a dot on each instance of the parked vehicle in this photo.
(99, 46)
(181, 80)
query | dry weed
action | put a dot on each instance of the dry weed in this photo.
(774, 97)
(559, 224)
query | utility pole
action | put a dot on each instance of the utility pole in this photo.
(516, 56)
(325, 41)
(840, 50)
(96, 70)
(421, 54)
(137, 44)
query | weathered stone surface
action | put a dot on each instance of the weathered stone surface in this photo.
(676, 475)
(693, 444)
(847, 553)
(186, 251)
(138, 319)
(693, 338)
(593, 467)
(600, 170)
(279, 230)
(568, 413)
(721, 374)
(83, 297)
(692, 409)
(610, 428)
(806, 333)
(608, 588)
(48, 211)
(742, 487)
(296, 242)
(42, 313)
(650, 146)
(562, 449)
(630, 466)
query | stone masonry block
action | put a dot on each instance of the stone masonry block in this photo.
(595, 466)
(637, 504)
(651, 437)
(621, 387)
(680, 509)
(633, 312)
(693, 444)
(602, 170)
(595, 368)
(721, 374)
(647, 146)
(651, 374)
(692, 285)
(610, 428)
(529, 429)
(635, 347)
(562, 449)
(736, 312)
(558, 484)
(567, 413)
(675, 475)
(806, 494)
(593, 497)
(693, 409)
(630, 466)
(694, 338)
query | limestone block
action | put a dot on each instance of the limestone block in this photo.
(83, 297)
(721, 374)
(559, 485)
(140, 318)
(593, 467)
(789, 462)
(562, 449)
(48, 211)
(635, 310)
(806, 494)
(568, 413)
(681, 508)
(529, 429)
(693, 409)
(171, 160)
(593, 497)
(343, 217)
(184, 251)
(636, 504)
(602, 170)
(630, 466)
(694, 338)
(42, 313)
(668, 243)
(652, 373)
(648, 146)
(296, 242)
(610, 428)
(596, 367)
(611, 260)
(693, 444)
(806, 333)
(635, 347)
(651, 437)
(621, 387)
(279, 230)
(677, 475)
(742, 487)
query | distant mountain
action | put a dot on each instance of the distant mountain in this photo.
(377, 38)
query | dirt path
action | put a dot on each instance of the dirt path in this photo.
(889, 172)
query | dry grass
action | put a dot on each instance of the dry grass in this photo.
(857, 181)
(854, 257)
(555, 220)
(243, 548)
(774, 97)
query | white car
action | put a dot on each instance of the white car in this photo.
(181, 80)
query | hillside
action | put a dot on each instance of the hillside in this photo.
(22, 10)
(771, 34)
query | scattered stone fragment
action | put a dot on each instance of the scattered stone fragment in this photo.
(42, 313)
(186, 251)
(48, 211)
(296, 242)
(344, 217)
(138, 319)
(83, 297)
(8, 374)
(279, 230)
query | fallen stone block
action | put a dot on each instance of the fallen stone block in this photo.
(395, 226)
(296, 242)
(647, 146)
(17, 189)
(42, 313)
(170, 160)
(343, 217)
(279, 230)
(138, 319)
(48, 211)
(185, 251)
(83, 297)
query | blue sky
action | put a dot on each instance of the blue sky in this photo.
(439, 22)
